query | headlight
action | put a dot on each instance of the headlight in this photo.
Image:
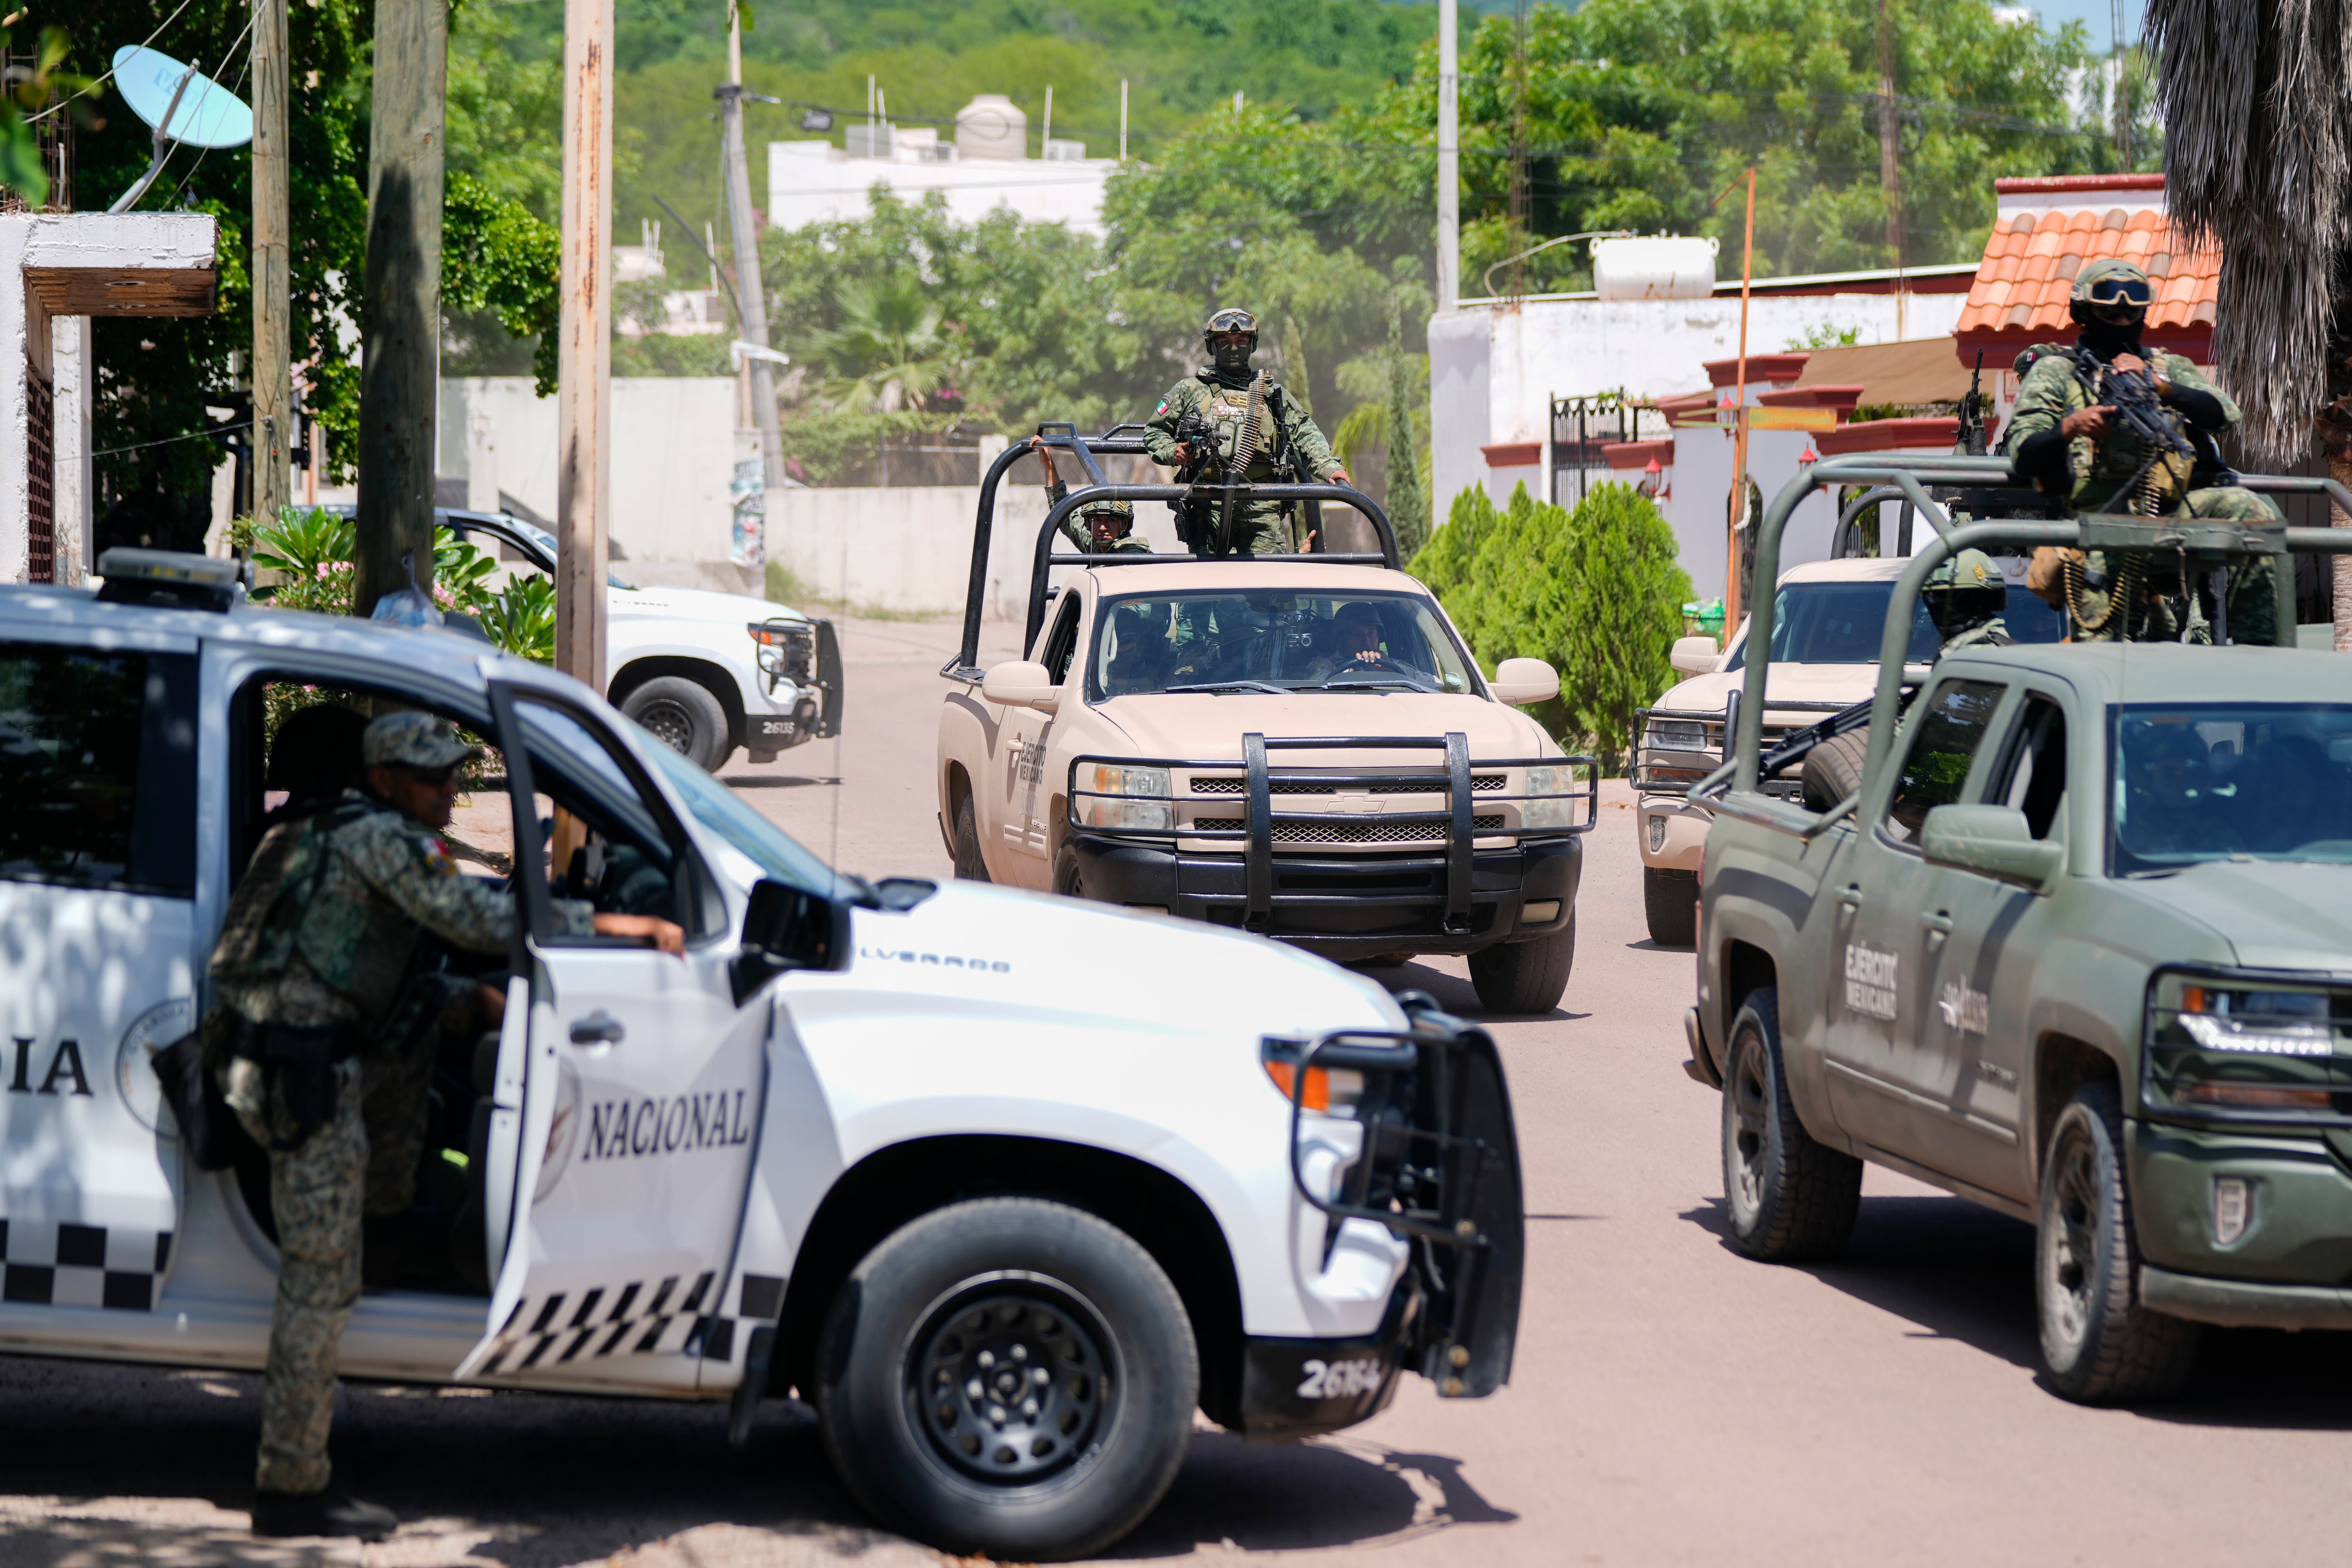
(2229, 1044)
(1550, 802)
(1334, 1091)
(1667, 734)
(1097, 798)
(786, 650)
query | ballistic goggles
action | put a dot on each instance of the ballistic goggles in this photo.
(2117, 289)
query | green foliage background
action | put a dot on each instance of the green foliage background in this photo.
(1594, 593)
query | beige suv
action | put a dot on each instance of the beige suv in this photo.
(1298, 746)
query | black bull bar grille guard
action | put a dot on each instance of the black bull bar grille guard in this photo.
(1456, 824)
(1438, 1168)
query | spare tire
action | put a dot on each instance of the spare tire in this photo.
(1833, 770)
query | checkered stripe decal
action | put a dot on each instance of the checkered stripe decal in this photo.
(52, 1264)
(635, 1319)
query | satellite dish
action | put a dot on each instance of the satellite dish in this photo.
(207, 114)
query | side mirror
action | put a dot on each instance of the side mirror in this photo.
(1520, 681)
(1993, 840)
(1021, 684)
(1694, 655)
(787, 928)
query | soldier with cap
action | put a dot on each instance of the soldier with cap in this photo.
(1227, 422)
(1100, 528)
(321, 1006)
(2068, 439)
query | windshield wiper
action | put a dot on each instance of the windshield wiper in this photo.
(1373, 678)
(1221, 685)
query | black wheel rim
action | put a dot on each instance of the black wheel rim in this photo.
(2069, 1236)
(670, 723)
(1746, 1132)
(1010, 1379)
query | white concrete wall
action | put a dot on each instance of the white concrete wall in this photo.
(1460, 387)
(673, 453)
(910, 547)
(815, 182)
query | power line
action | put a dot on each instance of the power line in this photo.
(100, 80)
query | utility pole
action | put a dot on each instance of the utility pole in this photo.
(1734, 551)
(2122, 104)
(273, 377)
(1520, 227)
(1449, 164)
(583, 485)
(1890, 135)
(400, 358)
(753, 297)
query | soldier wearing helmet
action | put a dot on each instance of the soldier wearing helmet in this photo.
(2069, 441)
(1199, 430)
(1965, 597)
(1102, 529)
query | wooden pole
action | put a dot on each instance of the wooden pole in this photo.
(1449, 163)
(1890, 137)
(400, 359)
(1738, 511)
(584, 488)
(752, 296)
(273, 377)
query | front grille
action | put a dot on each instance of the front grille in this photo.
(1427, 784)
(1371, 832)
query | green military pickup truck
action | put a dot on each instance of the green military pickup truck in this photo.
(2078, 949)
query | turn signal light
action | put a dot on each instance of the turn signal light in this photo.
(1332, 1091)
(2254, 1096)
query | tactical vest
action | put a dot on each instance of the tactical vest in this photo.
(1225, 409)
(359, 949)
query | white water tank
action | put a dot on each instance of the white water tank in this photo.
(1654, 266)
(992, 126)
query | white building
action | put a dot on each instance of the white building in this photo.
(985, 166)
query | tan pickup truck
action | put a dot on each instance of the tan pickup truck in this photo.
(1299, 747)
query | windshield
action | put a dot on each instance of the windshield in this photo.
(1275, 641)
(1841, 622)
(2244, 781)
(717, 807)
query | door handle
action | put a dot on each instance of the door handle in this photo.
(1940, 923)
(1850, 896)
(598, 1028)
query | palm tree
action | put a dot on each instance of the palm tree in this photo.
(893, 349)
(2257, 109)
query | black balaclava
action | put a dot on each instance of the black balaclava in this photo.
(1232, 359)
(2107, 339)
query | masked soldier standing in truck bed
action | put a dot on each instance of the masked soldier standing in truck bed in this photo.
(1203, 428)
(321, 1006)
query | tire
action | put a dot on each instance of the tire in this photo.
(1524, 976)
(1789, 1198)
(1831, 772)
(1006, 1283)
(1069, 877)
(968, 863)
(1670, 899)
(2099, 1345)
(683, 715)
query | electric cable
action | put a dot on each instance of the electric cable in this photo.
(99, 80)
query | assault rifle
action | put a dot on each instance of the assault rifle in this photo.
(1972, 413)
(2132, 394)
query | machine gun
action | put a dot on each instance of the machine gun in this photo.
(1192, 429)
(2132, 394)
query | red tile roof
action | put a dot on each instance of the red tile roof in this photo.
(2031, 261)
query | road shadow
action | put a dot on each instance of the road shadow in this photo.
(775, 781)
(1457, 995)
(1650, 944)
(1964, 1273)
(1330, 1492)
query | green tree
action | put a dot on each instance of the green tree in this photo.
(893, 349)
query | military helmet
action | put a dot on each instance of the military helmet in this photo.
(1123, 510)
(1231, 318)
(1964, 592)
(2111, 281)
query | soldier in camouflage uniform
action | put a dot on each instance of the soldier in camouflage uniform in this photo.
(322, 1014)
(1288, 449)
(1966, 598)
(1104, 528)
(2080, 453)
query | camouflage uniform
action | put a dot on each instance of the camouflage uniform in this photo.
(323, 931)
(1075, 529)
(1222, 397)
(2100, 467)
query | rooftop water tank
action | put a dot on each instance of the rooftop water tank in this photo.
(992, 126)
(1654, 266)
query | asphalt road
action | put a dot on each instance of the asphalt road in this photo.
(1672, 1403)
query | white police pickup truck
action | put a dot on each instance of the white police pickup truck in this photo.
(1004, 1223)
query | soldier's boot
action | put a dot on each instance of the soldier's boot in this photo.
(328, 1513)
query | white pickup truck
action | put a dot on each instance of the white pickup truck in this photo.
(1298, 745)
(1005, 1222)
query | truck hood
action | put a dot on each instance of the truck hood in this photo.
(976, 943)
(2274, 914)
(1841, 683)
(698, 605)
(1210, 728)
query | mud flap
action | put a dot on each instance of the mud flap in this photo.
(828, 679)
